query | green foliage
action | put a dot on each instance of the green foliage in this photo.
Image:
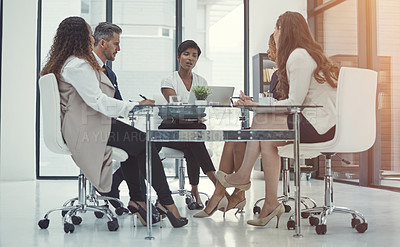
(201, 92)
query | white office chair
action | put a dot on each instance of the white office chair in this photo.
(355, 132)
(170, 153)
(50, 101)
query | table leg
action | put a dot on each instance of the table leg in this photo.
(148, 178)
(296, 146)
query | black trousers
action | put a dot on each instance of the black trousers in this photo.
(195, 153)
(133, 141)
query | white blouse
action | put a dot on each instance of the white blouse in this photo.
(82, 77)
(175, 82)
(305, 90)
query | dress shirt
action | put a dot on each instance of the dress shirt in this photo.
(111, 75)
(82, 77)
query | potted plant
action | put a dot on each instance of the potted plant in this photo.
(201, 93)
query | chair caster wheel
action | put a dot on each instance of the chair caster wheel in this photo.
(355, 222)
(256, 210)
(64, 212)
(305, 215)
(121, 210)
(99, 215)
(291, 225)
(191, 206)
(287, 208)
(43, 224)
(188, 200)
(321, 229)
(68, 227)
(113, 225)
(362, 227)
(314, 221)
(76, 220)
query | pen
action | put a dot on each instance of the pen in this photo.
(143, 97)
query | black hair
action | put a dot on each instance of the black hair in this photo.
(186, 45)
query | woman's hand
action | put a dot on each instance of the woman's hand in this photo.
(244, 97)
(245, 100)
(147, 102)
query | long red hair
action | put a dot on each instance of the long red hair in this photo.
(295, 33)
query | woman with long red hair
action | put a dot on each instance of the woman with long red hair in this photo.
(305, 77)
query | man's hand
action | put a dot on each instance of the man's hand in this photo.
(147, 102)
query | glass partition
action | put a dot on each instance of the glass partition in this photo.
(53, 12)
(217, 26)
(336, 31)
(387, 168)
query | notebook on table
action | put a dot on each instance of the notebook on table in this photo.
(219, 94)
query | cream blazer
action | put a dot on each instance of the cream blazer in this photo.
(305, 90)
(86, 132)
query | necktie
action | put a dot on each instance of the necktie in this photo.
(113, 80)
(105, 70)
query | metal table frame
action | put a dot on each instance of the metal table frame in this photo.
(169, 135)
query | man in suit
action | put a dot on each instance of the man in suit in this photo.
(106, 46)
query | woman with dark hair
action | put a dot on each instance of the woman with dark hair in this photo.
(306, 77)
(181, 83)
(87, 106)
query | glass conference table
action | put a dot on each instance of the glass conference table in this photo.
(192, 135)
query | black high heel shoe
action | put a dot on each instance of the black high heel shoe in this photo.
(142, 214)
(175, 222)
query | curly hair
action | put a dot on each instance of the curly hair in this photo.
(295, 33)
(72, 38)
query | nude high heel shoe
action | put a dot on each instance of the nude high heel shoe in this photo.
(278, 211)
(233, 203)
(222, 205)
(240, 206)
(221, 179)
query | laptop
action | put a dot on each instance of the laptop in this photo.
(219, 94)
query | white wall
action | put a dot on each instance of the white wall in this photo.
(263, 16)
(262, 20)
(18, 90)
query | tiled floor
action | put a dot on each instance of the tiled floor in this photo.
(23, 203)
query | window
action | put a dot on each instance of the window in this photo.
(53, 12)
(387, 169)
(339, 26)
(336, 31)
(216, 26)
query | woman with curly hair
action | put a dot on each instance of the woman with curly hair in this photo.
(87, 106)
(305, 77)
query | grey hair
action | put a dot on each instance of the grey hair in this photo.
(105, 30)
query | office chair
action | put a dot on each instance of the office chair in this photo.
(355, 132)
(54, 141)
(170, 153)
